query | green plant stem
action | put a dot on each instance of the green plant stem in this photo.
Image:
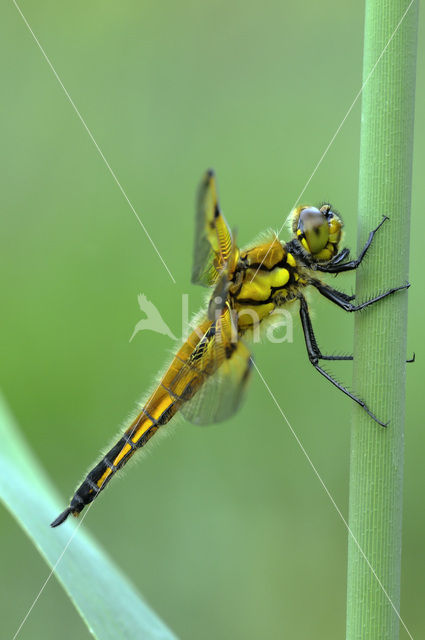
(376, 469)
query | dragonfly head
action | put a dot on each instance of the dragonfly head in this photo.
(318, 231)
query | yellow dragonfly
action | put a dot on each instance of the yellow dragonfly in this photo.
(207, 377)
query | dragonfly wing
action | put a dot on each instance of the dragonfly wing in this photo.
(210, 382)
(213, 238)
(221, 394)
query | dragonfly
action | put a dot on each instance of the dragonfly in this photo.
(208, 375)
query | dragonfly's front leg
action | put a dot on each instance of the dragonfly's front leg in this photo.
(315, 355)
(337, 266)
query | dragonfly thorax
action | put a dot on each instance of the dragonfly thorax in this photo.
(267, 276)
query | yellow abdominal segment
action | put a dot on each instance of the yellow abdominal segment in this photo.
(161, 401)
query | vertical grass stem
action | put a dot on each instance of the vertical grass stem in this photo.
(376, 465)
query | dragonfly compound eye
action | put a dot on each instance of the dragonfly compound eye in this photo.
(313, 229)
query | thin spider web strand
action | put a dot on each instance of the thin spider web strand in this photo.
(328, 493)
(94, 142)
(335, 135)
(80, 522)
(52, 572)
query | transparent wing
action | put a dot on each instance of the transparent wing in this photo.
(213, 238)
(222, 393)
(210, 382)
(218, 299)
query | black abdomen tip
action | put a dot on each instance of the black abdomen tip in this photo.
(63, 516)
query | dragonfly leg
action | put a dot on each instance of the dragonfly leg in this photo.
(337, 266)
(321, 357)
(314, 356)
(342, 300)
(312, 346)
(339, 258)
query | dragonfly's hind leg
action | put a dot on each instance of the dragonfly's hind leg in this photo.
(322, 357)
(315, 355)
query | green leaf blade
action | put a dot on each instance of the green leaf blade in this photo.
(106, 600)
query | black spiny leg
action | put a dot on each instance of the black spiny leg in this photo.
(322, 357)
(310, 338)
(343, 301)
(337, 266)
(314, 356)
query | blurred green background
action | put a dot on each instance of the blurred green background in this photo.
(225, 530)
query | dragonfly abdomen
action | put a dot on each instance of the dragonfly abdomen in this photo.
(139, 433)
(158, 411)
(135, 437)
